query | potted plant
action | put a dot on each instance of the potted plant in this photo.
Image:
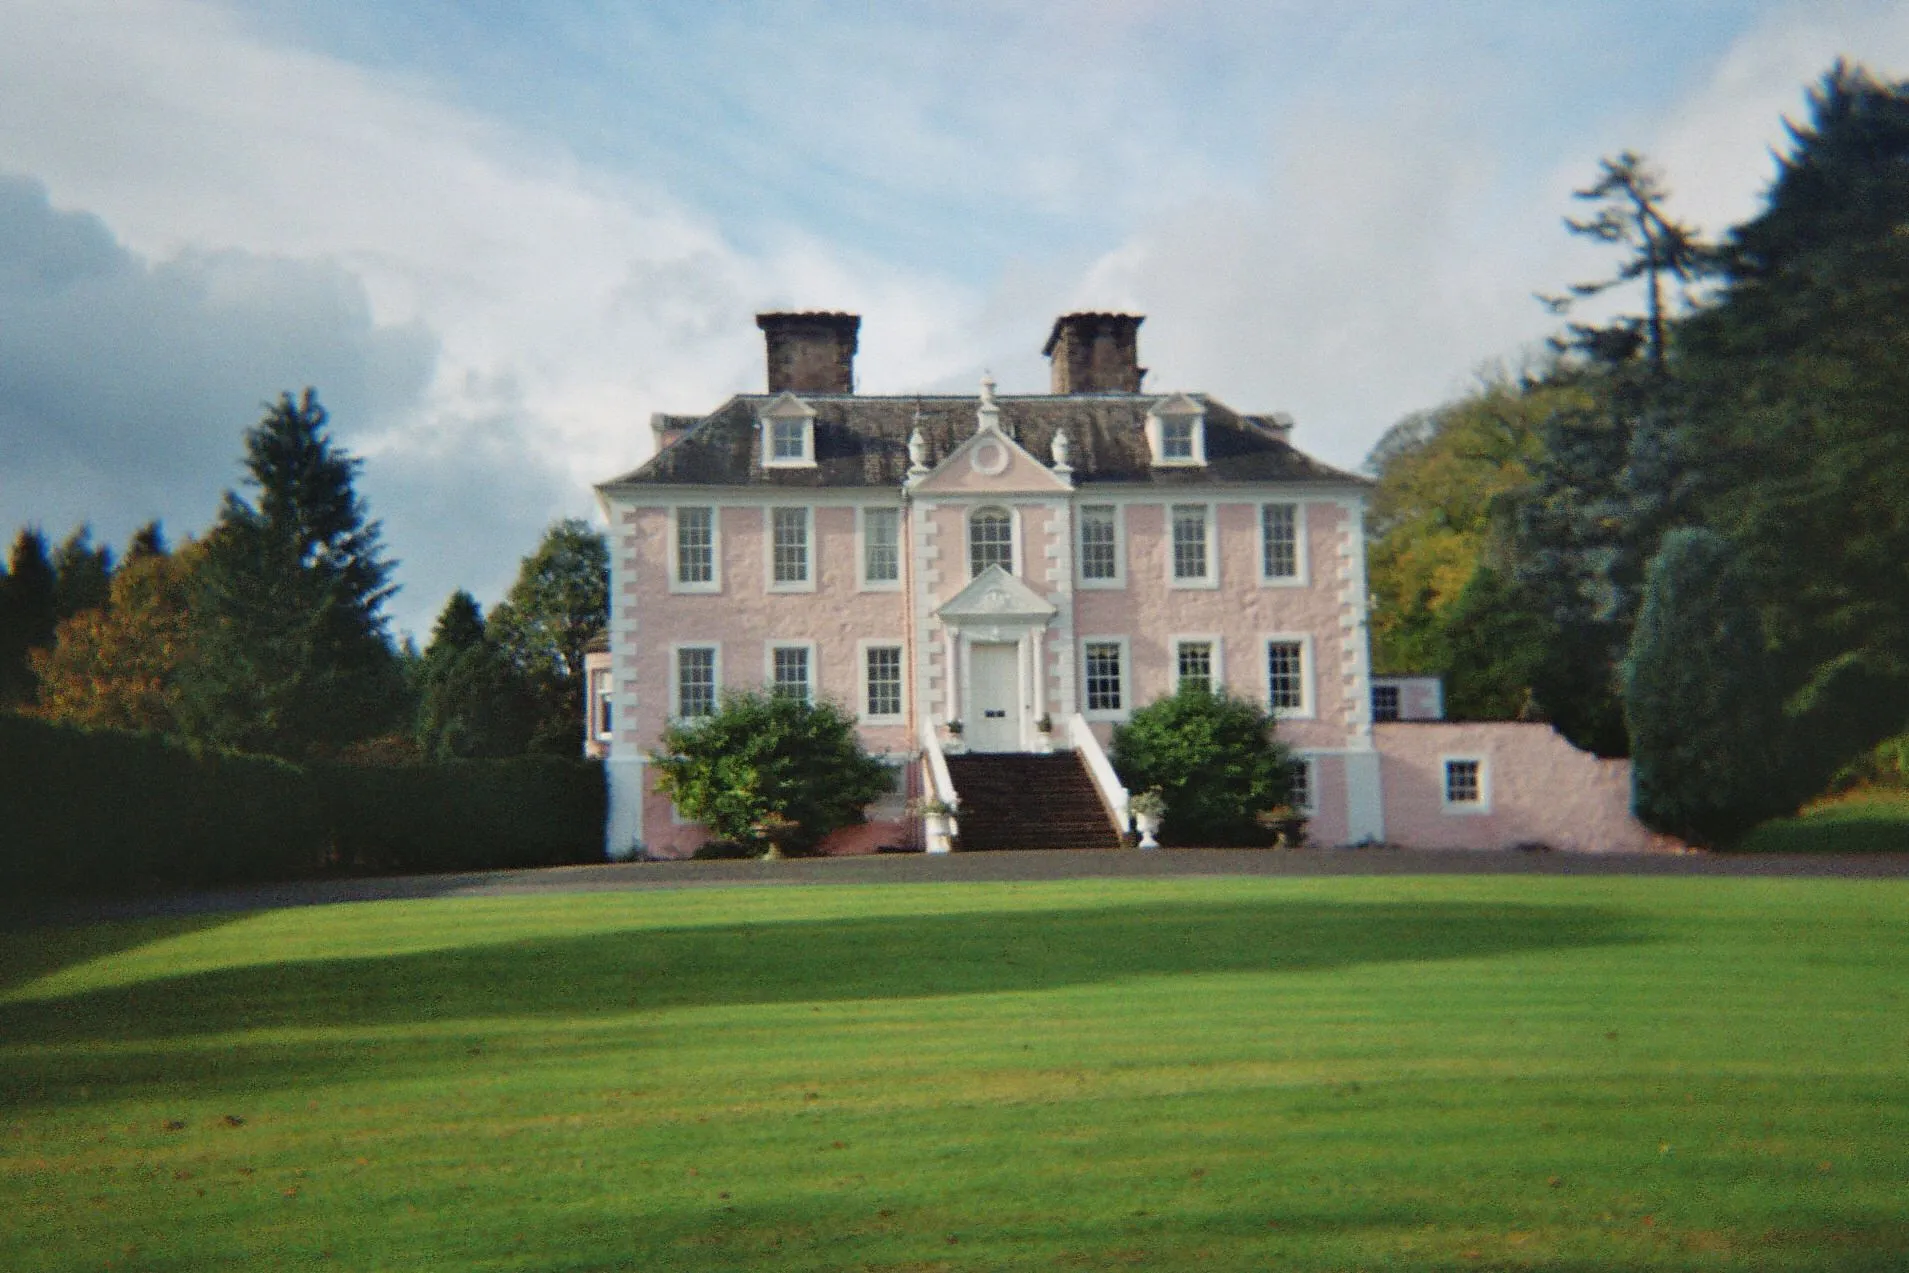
(775, 828)
(1149, 809)
(1045, 724)
(934, 813)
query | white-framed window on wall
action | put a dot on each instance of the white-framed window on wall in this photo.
(792, 670)
(1466, 786)
(602, 698)
(1282, 538)
(881, 681)
(697, 681)
(1196, 664)
(1100, 556)
(1191, 527)
(879, 537)
(1303, 794)
(694, 551)
(990, 540)
(790, 536)
(1289, 675)
(1105, 694)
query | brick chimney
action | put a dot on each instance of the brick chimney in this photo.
(810, 353)
(1095, 353)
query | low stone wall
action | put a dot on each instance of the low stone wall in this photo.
(1535, 787)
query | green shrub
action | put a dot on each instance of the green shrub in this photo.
(765, 757)
(1216, 760)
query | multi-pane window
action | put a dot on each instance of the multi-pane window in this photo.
(1464, 782)
(1103, 676)
(1176, 437)
(1299, 789)
(695, 545)
(601, 696)
(1279, 541)
(1286, 675)
(791, 545)
(884, 680)
(695, 681)
(790, 669)
(881, 545)
(788, 440)
(990, 541)
(1385, 702)
(1189, 541)
(1099, 558)
(1193, 662)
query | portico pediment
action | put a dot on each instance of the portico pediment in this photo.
(995, 596)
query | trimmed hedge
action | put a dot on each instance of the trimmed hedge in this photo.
(98, 811)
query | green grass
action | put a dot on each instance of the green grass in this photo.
(1868, 820)
(1444, 1073)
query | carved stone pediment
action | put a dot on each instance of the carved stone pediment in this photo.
(996, 597)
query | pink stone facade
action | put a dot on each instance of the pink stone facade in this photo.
(1033, 583)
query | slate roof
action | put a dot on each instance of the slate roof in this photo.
(863, 441)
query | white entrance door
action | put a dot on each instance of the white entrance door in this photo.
(995, 672)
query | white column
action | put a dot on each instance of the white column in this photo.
(1365, 799)
(1038, 680)
(950, 653)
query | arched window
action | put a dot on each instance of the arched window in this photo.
(990, 540)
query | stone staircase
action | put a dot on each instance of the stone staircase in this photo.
(1014, 801)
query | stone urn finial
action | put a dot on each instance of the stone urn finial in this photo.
(1060, 448)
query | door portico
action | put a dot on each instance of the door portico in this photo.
(996, 630)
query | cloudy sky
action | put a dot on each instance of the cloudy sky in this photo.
(497, 236)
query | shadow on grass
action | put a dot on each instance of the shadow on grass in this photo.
(30, 952)
(809, 960)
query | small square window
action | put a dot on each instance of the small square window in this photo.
(788, 441)
(1464, 782)
(1385, 702)
(1176, 438)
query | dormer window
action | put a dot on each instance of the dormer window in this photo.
(1176, 431)
(788, 434)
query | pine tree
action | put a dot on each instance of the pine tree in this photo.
(28, 614)
(290, 652)
(471, 700)
(84, 574)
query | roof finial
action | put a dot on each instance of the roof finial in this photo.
(917, 448)
(1060, 448)
(988, 418)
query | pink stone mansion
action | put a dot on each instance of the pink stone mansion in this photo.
(991, 583)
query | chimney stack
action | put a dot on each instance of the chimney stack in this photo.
(1095, 353)
(810, 352)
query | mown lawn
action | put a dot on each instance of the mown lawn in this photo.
(1400, 1073)
(1869, 820)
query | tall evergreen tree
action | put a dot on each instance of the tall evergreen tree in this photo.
(28, 614)
(1704, 703)
(472, 701)
(83, 574)
(290, 651)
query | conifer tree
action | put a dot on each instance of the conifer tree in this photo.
(471, 700)
(290, 651)
(28, 614)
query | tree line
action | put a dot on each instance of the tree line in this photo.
(268, 635)
(1682, 534)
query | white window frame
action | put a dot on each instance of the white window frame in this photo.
(715, 582)
(1464, 807)
(1299, 578)
(806, 584)
(602, 697)
(1211, 579)
(1310, 763)
(781, 413)
(1015, 557)
(769, 666)
(1308, 674)
(1120, 549)
(1157, 444)
(1208, 639)
(862, 649)
(676, 677)
(863, 582)
(1125, 710)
